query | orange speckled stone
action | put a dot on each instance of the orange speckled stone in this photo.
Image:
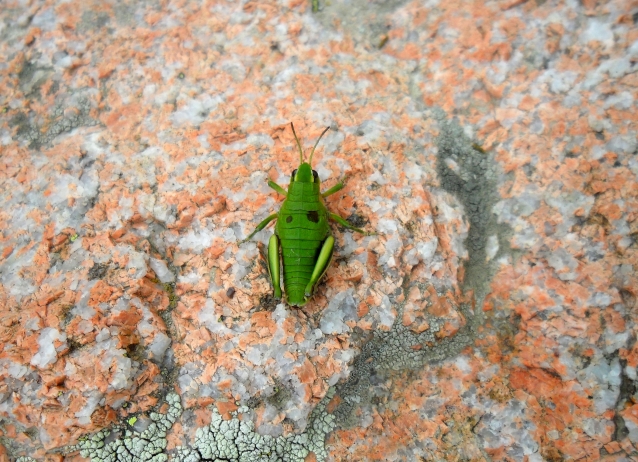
(490, 146)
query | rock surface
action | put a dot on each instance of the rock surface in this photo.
(493, 147)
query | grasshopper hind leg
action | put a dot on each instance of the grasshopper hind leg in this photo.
(274, 265)
(323, 261)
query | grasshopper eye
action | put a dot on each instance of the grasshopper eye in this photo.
(315, 175)
(294, 172)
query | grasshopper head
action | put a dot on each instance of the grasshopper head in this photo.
(305, 173)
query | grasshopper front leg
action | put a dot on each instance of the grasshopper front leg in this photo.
(277, 188)
(261, 226)
(338, 187)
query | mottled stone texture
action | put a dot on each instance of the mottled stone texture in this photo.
(491, 145)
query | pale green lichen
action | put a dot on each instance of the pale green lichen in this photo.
(132, 446)
(233, 440)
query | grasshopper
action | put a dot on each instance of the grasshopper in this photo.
(302, 239)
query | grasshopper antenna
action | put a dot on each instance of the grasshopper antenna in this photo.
(313, 148)
(298, 144)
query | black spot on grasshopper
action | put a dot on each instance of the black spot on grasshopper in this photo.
(313, 216)
(289, 219)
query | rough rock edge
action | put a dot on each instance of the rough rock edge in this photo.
(475, 187)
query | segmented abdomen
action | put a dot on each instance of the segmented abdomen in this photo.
(301, 235)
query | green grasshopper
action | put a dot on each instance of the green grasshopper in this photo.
(302, 232)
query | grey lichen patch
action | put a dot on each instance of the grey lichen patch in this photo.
(169, 368)
(73, 113)
(98, 271)
(21, 121)
(92, 21)
(124, 13)
(173, 298)
(280, 396)
(32, 77)
(13, 447)
(467, 171)
(399, 349)
(122, 444)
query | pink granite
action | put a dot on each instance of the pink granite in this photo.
(492, 146)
